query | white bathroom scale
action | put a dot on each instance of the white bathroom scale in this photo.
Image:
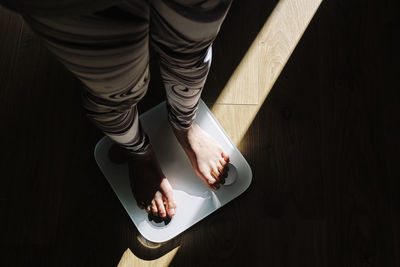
(194, 200)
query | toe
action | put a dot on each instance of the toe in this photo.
(154, 209)
(225, 156)
(216, 184)
(171, 205)
(220, 168)
(169, 198)
(140, 204)
(215, 172)
(223, 162)
(148, 209)
(218, 178)
(209, 180)
(160, 204)
(212, 177)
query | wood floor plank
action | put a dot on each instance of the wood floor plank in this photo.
(234, 119)
(129, 259)
(278, 39)
(323, 148)
(254, 77)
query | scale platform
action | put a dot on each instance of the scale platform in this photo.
(194, 200)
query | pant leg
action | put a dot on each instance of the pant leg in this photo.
(108, 53)
(182, 32)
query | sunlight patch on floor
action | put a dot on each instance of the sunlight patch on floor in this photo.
(129, 259)
(251, 82)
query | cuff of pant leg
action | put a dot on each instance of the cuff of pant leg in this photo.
(143, 149)
(140, 147)
(180, 126)
(179, 123)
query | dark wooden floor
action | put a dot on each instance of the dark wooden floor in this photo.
(324, 150)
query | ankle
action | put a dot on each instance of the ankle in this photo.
(142, 154)
(181, 129)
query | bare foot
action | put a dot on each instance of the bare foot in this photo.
(208, 159)
(150, 187)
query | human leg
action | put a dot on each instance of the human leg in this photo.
(110, 57)
(182, 34)
(108, 53)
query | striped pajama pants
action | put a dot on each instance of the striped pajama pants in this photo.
(108, 51)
